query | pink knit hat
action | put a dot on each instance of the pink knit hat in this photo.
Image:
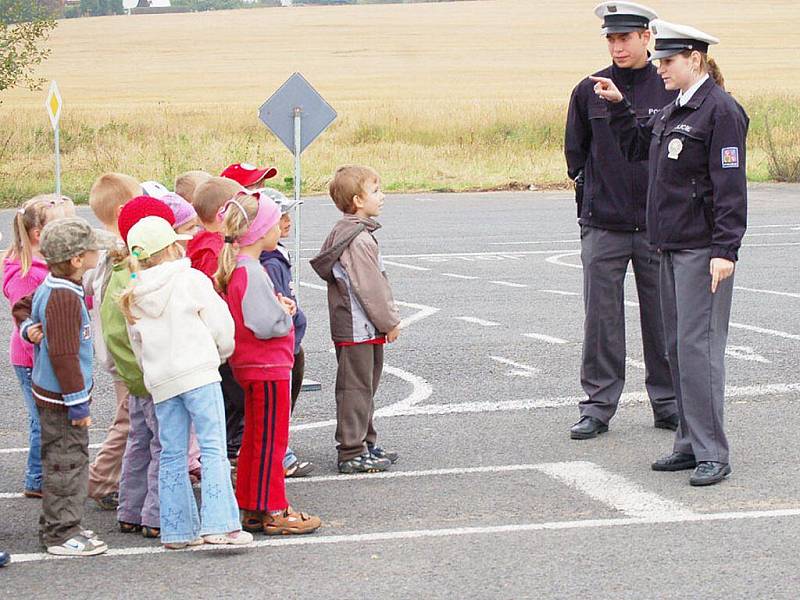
(183, 211)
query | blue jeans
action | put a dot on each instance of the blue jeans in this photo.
(33, 470)
(180, 521)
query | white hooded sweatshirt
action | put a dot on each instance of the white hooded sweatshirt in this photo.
(183, 330)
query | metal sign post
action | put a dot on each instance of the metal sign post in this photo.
(53, 106)
(296, 114)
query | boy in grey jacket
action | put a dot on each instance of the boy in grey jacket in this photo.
(363, 315)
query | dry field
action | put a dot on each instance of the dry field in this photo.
(466, 95)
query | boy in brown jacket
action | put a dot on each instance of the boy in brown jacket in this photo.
(363, 315)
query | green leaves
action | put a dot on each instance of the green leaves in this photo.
(24, 27)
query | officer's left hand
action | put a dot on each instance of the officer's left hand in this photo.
(721, 269)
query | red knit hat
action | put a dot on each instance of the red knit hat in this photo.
(137, 209)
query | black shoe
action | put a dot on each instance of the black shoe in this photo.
(366, 463)
(670, 422)
(709, 473)
(677, 461)
(587, 428)
(5, 558)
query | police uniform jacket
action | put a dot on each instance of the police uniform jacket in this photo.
(615, 190)
(697, 192)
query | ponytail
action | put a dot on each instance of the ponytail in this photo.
(238, 213)
(34, 214)
(714, 72)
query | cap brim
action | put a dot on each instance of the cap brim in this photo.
(285, 208)
(183, 236)
(659, 54)
(621, 29)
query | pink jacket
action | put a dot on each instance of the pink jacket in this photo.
(15, 287)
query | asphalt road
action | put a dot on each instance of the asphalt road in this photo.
(491, 498)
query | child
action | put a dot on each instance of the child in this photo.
(279, 268)
(363, 315)
(186, 221)
(261, 363)
(106, 198)
(180, 329)
(62, 385)
(186, 184)
(138, 485)
(23, 271)
(248, 176)
(204, 250)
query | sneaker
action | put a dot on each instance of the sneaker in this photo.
(366, 463)
(125, 527)
(252, 521)
(79, 545)
(379, 452)
(5, 558)
(290, 522)
(110, 502)
(32, 493)
(182, 545)
(299, 468)
(232, 538)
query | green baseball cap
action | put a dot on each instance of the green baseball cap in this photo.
(64, 238)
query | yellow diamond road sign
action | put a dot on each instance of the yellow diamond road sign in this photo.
(53, 104)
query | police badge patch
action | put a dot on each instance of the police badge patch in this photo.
(730, 158)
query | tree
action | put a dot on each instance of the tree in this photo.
(25, 26)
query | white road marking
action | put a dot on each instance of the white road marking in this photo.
(745, 353)
(520, 370)
(477, 321)
(747, 235)
(405, 266)
(509, 254)
(771, 245)
(423, 313)
(772, 226)
(510, 284)
(457, 276)
(384, 536)
(17, 450)
(575, 241)
(421, 391)
(545, 338)
(772, 292)
(773, 332)
(557, 260)
(631, 303)
(615, 491)
(634, 363)
(560, 292)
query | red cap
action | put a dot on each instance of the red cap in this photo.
(137, 209)
(247, 175)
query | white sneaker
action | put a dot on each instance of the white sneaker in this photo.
(182, 545)
(233, 538)
(79, 545)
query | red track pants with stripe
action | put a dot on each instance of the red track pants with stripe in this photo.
(260, 484)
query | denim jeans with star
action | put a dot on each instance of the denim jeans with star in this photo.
(219, 513)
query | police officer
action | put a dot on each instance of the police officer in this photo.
(611, 194)
(696, 216)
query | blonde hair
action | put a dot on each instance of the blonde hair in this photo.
(210, 195)
(135, 265)
(109, 192)
(350, 181)
(35, 214)
(187, 183)
(234, 225)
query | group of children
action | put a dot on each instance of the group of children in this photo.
(186, 298)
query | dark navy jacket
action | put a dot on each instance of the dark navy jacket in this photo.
(615, 190)
(697, 194)
(279, 270)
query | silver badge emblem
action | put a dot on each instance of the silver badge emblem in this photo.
(675, 148)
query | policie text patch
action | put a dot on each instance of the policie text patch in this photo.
(730, 158)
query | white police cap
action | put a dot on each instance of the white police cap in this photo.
(622, 17)
(672, 38)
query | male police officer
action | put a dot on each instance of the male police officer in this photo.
(611, 196)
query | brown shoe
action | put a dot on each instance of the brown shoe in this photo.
(290, 522)
(32, 493)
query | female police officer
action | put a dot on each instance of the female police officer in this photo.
(696, 217)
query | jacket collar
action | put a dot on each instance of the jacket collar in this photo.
(370, 224)
(697, 98)
(632, 76)
(64, 284)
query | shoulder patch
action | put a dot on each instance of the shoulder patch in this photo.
(730, 157)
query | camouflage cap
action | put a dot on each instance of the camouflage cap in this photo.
(64, 238)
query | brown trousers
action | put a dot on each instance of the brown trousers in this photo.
(357, 380)
(65, 466)
(106, 469)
